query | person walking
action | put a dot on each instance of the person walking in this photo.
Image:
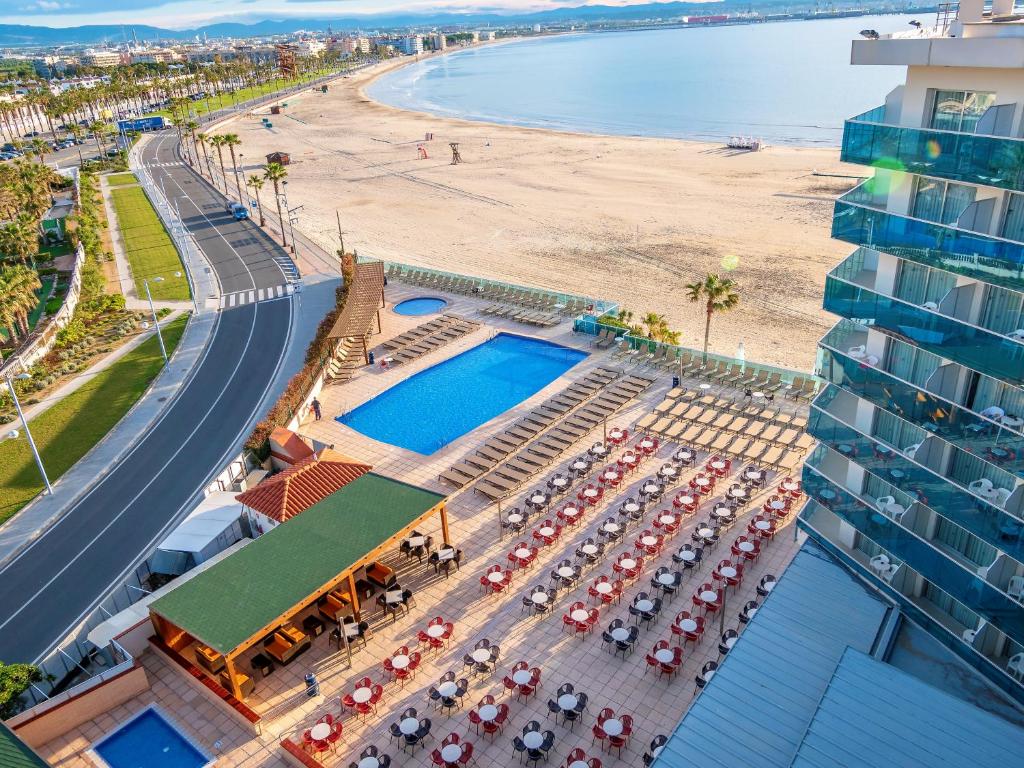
(315, 405)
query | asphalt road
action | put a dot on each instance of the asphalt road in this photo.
(48, 589)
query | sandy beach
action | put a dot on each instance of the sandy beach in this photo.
(628, 219)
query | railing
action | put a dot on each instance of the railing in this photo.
(993, 161)
(107, 662)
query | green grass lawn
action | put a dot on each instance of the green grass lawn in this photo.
(116, 179)
(242, 94)
(66, 431)
(149, 248)
(35, 314)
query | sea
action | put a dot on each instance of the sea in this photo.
(782, 82)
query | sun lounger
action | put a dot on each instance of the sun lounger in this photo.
(706, 438)
(510, 476)
(755, 450)
(721, 443)
(572, 431)
(687, 412)
(490, 490)
(492, 453)
(771, 433)
(545, 450)
(772, 455)
(608, 340)
(739, 424)
(690, 434)
(799, 422)
(507, 442)
(560, 440)
(456, 478)
(470, 470)
(586, 418)
(646, 422)
(723, 421)
(537, 417)
(706, 418)
(554, 405)
(738, 446)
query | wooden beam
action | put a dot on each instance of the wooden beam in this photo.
(354, 594)
(229, 665)
(444, 526)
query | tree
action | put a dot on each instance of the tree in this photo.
(231, 141)
(204, 141)
(18, 286)
(218, 144)
(275, 173)
(14, 681)
(18, 239)
(718, 294)
(256, 182)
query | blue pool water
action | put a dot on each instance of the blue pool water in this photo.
(423, 306)
(149, 741)
(427, 411)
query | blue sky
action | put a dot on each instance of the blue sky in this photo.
(179, 14)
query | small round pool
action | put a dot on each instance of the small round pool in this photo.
(425, 305)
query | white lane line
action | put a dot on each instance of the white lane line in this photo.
(152, 480)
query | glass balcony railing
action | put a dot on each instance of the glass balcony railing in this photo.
(994, 161)
(968, 345)
(982, 257)
(947, 574)
(988, 522)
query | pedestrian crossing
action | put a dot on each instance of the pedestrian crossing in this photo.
(241, 298)
(161, 165)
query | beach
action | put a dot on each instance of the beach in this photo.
(627, 219)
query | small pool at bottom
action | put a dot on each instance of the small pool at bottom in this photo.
(436, 406)
(149, 740)
(424, 305)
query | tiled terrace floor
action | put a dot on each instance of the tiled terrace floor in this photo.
(656, 704)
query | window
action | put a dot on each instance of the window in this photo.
(959, 110)
(949, 606)
(940, 201)
(1013, 221)
(968, 545)
(1003, 310)
(918, 284)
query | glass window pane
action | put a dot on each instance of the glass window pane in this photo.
(948, 109)
(928, 199)
(1013, 223)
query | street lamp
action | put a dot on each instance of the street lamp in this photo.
(291, 219)
(28, 432)
(152, 309)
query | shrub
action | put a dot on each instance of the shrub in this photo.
(72, 333)
(14, 681)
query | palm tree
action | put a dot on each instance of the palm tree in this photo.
(231, 141)
(205, 141)
(654, 323)
(218, 144)
(18, 285)
(192, 126)
(256, 182)
(40, 148)
(718, 294)
(275, 173)
(19, 239)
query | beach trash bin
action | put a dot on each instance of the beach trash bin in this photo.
(370, 357)
(312, 686)
(675, 382)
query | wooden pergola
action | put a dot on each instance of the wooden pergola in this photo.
(363, 305)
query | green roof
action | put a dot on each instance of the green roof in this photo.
(14, 753)
(228, 603)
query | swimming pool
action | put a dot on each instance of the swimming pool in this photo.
(436, 406)
(424, 305)
(149, 740)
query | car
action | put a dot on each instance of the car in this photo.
(31, 134)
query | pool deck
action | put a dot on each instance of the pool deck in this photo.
(623, 684)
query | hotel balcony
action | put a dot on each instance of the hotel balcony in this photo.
(950, 574)
(860, 218)
(985, 517)
(920, 396)
(977, 642)
(997, 356)
(994, 161)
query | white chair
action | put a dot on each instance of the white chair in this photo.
(884, 502)
(1015, 666)
(982, 486)
(889, 572)
(857, 352)
(1016, 588)
(879, 563)
(968, 636)
(999, 496)
(896, 512)
(911, 450)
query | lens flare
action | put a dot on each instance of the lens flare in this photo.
(932, 149)
(730, 261)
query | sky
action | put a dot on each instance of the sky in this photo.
(183, 14)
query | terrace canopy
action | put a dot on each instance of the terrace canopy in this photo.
(237, 602)
(365, 298)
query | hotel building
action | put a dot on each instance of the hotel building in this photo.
(917, 483)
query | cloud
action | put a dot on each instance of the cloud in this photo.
(47, 5)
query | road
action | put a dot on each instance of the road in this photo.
(48, 589)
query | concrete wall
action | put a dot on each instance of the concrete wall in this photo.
(55, 717)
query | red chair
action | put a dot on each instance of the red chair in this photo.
(709, 606)
(474, 719)
(613, 482)
(577, 755)
(335, 735)
(599, 734)
(690, 506)
(570, 519)
(307, 740)
(652, 663)
(620, 741)
(689, 636)
(436, 759)
(467, 753)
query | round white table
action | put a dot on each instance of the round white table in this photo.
(643, 605)
(619, 634)
(727, 571)
(579, 615)
(628, 563)
(722, 512)
(687, 554)
(522, 553)
(567, 701)
(705, 387)
(589, 549)
(701, 481)
(578, 764)
(320, 731)
(708, 675)
(664, 655)
(579, 466)
(401, 661)
(522, 676)
(599, 450)
(447, 689)
(752, 475)
(737, 493)
(450, 753)
(768, 586)
(688, 625)
(409, 726)
(667, 579)
(496, 578)
(566, 572)
(488, 712)
(683, 455)
(612, 727)
(718, 465)
(708, 596)
(546, 531)
(666, 472)
(480, 655)
(610, 476)
(667, 519)
(559, 482)
(631, 506)
(368, 762)
(648, 541)
(751, 613)
(757, 394)
(610, 527)
(776, 504)
(790, 487)
(362, 694)
(603, 587)
(745, 546)
(515, 517)
(651, 488)
(686, 500)
(570, 512)
(615, 434)
(763, 525)
(590, 493)
(645, 444)
(705, 532)
(538, 499)
(533, 739)
(539, 598)
(730, 642)
(435, 631)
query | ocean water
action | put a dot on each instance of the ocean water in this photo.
(787, 83)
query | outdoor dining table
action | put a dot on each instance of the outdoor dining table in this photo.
(547, 530)
(480, 655)
(603, 587)
(751, 613)
(646, 444)
(688, 555)
(718, 464)
(753, 474)
(598, 450)
(616, 434)
(705, 532)
(559, 482)
(727, 571)
(730, 641)
(416, 541)
(589, 549)
(570, 511)
(538, 499)
(533, 739)
(897, 474)
(667, 519)
(762, 525)
(447, 553)
(579, 615)
(708, 596)
(362, 694)
(578, 764)
(664, 655)
(515, 517)
(777, 504)
(497, 577)
(450, 753)
(401, 661)
(651, 488)
(610, 527)
(745, 546)
(522, 553)
(610, 475)
(682, 455)
(539, 598)
(629, 458)
(701, 482)
(447, 689)
(522, 676)
(408, 726)
(567, 701)
(393, 596)
(368, 762)
(579, 466)
(668, 578)
(619, 634)
(705, 386)
(488, 712)
(688, 625)
(320, 731)
(790, 486)
(631, 506)
(590, 493)
(566, 571)
(667, 471)
(435, 630)
(648, 541)
(612, 726)
(738, 493)
(628, 563)
(686, 499)
(643, 605)
(722, 512)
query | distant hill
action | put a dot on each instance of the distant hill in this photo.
(25, 35)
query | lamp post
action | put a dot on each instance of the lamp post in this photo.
(152, 309)
(28, 432)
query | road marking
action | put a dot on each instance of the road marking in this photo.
(241, 298)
